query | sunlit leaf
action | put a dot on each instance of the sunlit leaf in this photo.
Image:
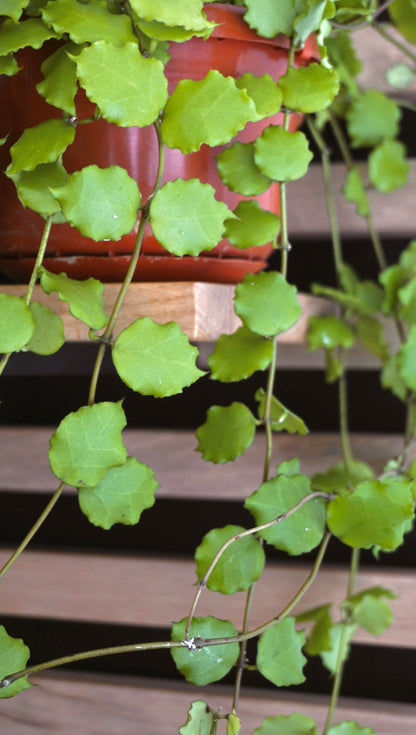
(295, 724)
(375, 514)
(133, 89)
(369, 610)
(155, 359)
(239, 172)
(311, 18)
(13, 8)
(16, 323)
(88, 22)
(238, 567)
(31, 32)
(282, 155)
(350, 728)
(237, 356)
(121, 495)
(233, 724)
(85, 298)
(264, 91)
(211, 663)
(209, 111)
(371, 118)
(388, 167)
(101, 203)
(43, 143)
(48, 336)
(309, 88)
(87, 443)
(266, 303)
(270, 18)
(280, 417)
(226, 433)
(187, 13)
(254, 226)
(186, 218)
(199, 720)
(279, 654)
(14, 655)
(303, 529)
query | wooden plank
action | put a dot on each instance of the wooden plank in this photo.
(204, 311)
(65, 704)
(180, 470)
(377, 55)
(393, 214)
(150, 591)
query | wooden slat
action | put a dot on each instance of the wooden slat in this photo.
(149, 591)
(180, 470)
(87, 705)
(377, 56)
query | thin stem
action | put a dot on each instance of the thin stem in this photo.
(343, 420)
(267, 412)
(391, 39)
(243, 648)
(33, 530)
(249, 532)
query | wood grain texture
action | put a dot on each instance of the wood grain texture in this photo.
(100, 705)
(180, 470)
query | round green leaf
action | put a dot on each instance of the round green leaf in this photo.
(209, 111)
(33, 187)
(187, 14)
(209, 664)
(287, 725)
(8, 65)
(101, 203)
(375, 514)
(281, 155)
(388, 167)
(87, 443)
(31, 32)
(16, 323)
(128, 88)
(59, 84)
(155, 359)
(239, 172)
(200, 719)
(43, 143)
(227, 432)
(309, 88)
(238, 567)
(369, 610)
(328, 332)
(266, 303)
(279, 654)
(13, 8)
(299, 532)
(403, 15)
(350, 728)
(400, 75)
(269, 18)
(340, 477)
(121, 496)
(88, 22)
(14, 655)
(237, 356)
(48, 336)
(264, 91)
(186, 218)
(371, 118)
(85, 298)
(254, 226)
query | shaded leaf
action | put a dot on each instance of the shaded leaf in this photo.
(186, 218)
(341, 477)
(8, 65)
(279, 654)
(48, 335)
(282, 155)
(16, 323)
(355, 193)
(369, 610)
(237, 356)
(406, 360)
(238, 567)
(281, 418)
(350, 728)
(155, 359)
(265, 93)
(59, 85)
(211, 663)
(295, 724)
(266, 303)
(239, 172)
(328, 332)
(388, 167)
(254, 226)
(403, 15)
(84, 298)
(340, 637)
(43, 143)
(87, 443)
(121, 495)
(226, 433)
(309, 88)
(33, 187)
(318, 639)
(371, 118)
(371, 334)
(199, 720)
(14, 655)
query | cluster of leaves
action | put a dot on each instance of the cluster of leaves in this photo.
(117, 53)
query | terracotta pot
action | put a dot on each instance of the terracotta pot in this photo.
(233, 49)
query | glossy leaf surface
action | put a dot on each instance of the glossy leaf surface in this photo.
(295, 724)
(121, 495)
(43, 143)
(210, 663)
(84, 298)
(88, 22)
(16, 323)
(281, 155)
(281, 418)
(299, 532)
(155, 359)
(14, 655)
(237, 356)
(238, 171)
(209, 111)
(279, 654)
(266, 303)
(48, 335)
(101, 203)
(238, 567)
(133, 89)
(186, 218)
(253, 226)
(87, 443)
(226, 434)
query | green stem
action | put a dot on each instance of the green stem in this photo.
(241, 663)
(343, 421)
(336, 687)
(33, 530)
(386, 35)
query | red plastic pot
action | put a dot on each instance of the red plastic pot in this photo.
(233, 49)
